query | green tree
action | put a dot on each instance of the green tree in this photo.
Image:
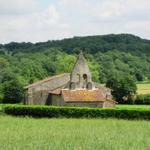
(123, 89)
(13, 92)
(139, 76)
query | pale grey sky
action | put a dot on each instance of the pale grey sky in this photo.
(42, 20)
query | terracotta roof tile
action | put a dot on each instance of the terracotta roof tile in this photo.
(56, 91)
(83, 95)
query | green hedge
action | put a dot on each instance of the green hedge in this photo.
(75, 112)
(143, 99)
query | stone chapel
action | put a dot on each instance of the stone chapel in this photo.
(74, 89)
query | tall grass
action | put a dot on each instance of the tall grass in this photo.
(73, 134)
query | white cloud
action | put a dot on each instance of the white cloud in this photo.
(33, 27)
(27, 20)
(12, 7)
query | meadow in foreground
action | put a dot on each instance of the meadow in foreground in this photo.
(73, 134)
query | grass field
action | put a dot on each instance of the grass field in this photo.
(143, 88)
(76, 134)
(73, 134)
(133, 106)
(20, 133)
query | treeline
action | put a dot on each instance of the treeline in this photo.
(89, 44)
(108, 56)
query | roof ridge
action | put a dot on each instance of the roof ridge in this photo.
(44, 80)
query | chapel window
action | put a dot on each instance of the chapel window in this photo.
(85, 77)
(78, 76)
(89, 86)
(72, 86)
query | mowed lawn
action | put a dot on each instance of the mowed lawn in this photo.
(143, 88)
(73, 134)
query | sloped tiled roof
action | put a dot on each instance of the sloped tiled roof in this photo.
(56, 91)
(82, 95)
(45, 80)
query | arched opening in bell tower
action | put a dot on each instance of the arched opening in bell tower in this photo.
(85, 77)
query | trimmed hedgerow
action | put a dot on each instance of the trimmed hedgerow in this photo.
(76, 112)
(143, 99)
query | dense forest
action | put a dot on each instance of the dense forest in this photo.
(107, 55)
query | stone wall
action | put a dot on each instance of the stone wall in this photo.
(56, 100)
(109, 104)
(38, 93)
(85, 104)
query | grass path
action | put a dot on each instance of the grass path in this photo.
(73, 134)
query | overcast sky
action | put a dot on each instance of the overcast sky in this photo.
(42, 20)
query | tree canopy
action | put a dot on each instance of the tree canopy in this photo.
(123, 88)
(107, 55)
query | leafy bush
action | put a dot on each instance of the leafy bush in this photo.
(76, 112)
(143, 99)
(123, 89)
(13, 92)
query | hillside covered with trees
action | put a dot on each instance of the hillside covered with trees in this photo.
(108, 56)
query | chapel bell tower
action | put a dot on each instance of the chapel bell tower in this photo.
(80, 77)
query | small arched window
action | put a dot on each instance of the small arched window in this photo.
(89, 86)
(85, 77)
(78, 76)
(72, 86)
